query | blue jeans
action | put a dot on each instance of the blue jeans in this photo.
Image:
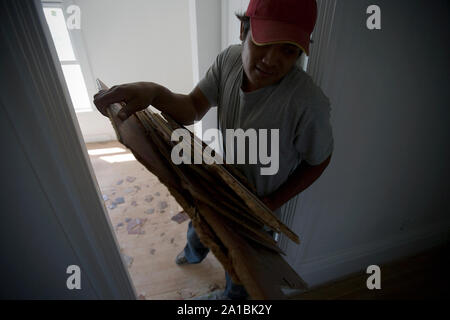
(195, 252)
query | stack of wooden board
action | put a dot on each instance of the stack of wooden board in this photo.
(227, 216)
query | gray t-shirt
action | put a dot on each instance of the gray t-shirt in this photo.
(295, 106)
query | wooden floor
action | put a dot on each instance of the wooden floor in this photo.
(151, 254)
(422, 276)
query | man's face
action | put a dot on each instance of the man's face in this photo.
(266, 65)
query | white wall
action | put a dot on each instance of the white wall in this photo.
(385, 192)
(135, 40)
(206, 34)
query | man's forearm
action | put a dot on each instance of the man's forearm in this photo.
(178, 106)
(301, 178)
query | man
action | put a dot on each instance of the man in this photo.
(256, 85)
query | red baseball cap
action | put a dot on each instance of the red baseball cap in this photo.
(282, 21)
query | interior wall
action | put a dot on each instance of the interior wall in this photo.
(231, 26)
(33, 264)
(385, 193)
(206, 17)
(52, 213)
(131, 41)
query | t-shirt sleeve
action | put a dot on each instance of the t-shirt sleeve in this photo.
(314, 139)
(210, 83)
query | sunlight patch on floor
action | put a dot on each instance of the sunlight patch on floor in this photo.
(102, 151)
(119, 158)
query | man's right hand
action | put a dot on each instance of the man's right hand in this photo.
(135, 97)
(183, 108)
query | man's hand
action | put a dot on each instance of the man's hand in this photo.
(136, 97)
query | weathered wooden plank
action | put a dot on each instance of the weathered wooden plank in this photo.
(233, 201)
(228, 219)
(241, 221)
(235, 172)
(258, 208)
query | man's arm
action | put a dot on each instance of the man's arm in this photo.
(300, 179)
(184, 108)
(175, 104)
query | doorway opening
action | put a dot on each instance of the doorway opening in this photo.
(150, 227)
(149, 224)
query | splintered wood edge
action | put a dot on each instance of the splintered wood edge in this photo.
(243, 190)
(254, 234)
(203, 145)
(112, 112)
(253, 202)
(257, 206)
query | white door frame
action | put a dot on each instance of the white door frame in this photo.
(50, 137)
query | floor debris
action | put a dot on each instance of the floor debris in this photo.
(150, 211)
(119, 182)
(180, 217)
(112, 206)
(149, 198)
(105, 197)
(131, 179)
(186, 294)
(135, 226)
(119, 200)
(162, 205)
(152, 251)
(120, 224)
(134, 203)
(127, 219)
(172, 240)
(162, 234)
(129, 190)
(157, 194)
(128, 260)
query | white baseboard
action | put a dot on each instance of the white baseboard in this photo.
(320, 270)
(99, 138)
